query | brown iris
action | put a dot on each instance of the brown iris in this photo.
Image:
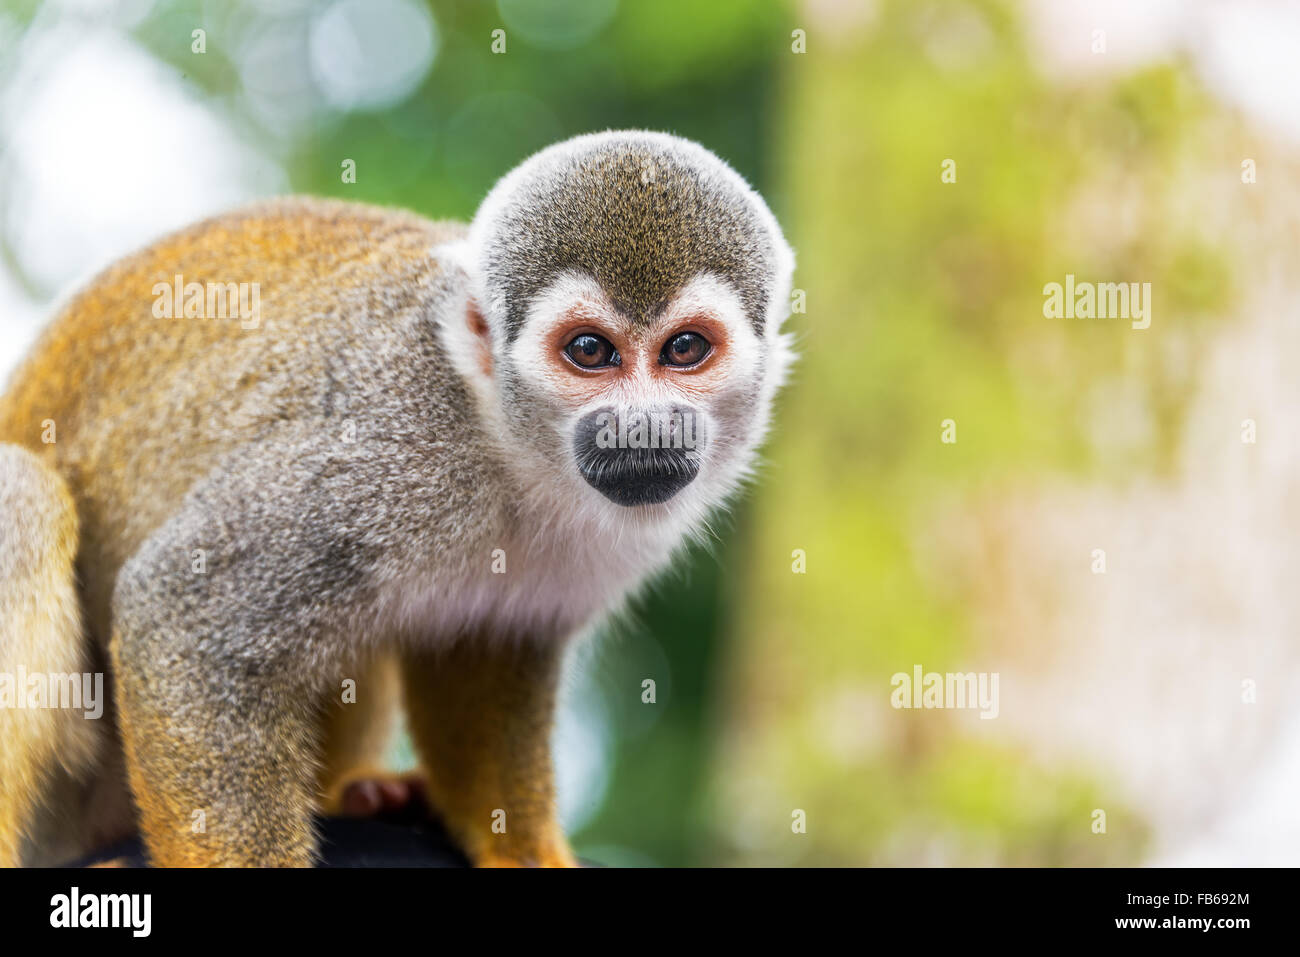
(684, 349)
(591, 351)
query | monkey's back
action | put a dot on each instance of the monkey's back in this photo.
(143, 407)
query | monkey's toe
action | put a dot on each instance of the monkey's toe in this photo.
(376, 795)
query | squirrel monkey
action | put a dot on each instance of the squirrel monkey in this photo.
(436, 454)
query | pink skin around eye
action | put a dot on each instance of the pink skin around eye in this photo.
(639, 351)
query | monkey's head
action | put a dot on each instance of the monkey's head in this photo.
(627, 293)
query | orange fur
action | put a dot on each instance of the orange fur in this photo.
(481, 715)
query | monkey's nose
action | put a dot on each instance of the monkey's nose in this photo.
(639, 458)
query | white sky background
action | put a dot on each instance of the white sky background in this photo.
(103, 148)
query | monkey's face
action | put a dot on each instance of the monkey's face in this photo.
(631, 288)
(642, 409)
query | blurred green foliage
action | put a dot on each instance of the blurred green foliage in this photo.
(925, 303)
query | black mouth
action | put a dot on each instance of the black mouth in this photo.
(638, 468)
(639, 477)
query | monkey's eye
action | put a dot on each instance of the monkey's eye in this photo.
(684, 349)
(591, 351)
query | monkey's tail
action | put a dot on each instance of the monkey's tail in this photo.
(41, 645)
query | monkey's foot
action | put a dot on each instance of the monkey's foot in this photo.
(376, 794)
(552, 854)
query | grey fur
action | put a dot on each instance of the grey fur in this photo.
(642, 212)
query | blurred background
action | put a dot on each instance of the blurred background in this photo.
(1108, 140)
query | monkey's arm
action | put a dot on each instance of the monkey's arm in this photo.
(220, 746)
(221, 667)
(481, 713)
(219, 758)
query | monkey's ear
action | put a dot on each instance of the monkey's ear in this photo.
(466, 330)
(477, 322)
(478, 328)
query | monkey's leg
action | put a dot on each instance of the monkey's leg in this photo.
(40, 635)
(481, 712)
(359, 725)
(222, 668)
